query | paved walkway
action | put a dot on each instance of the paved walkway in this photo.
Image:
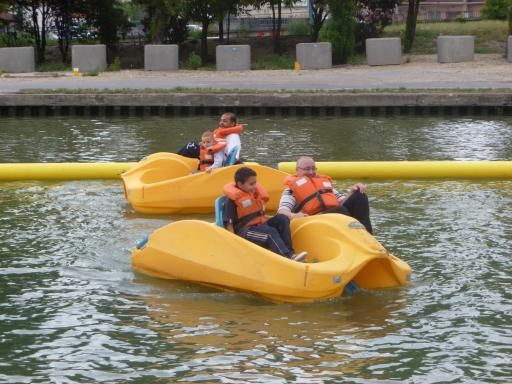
(423, 72)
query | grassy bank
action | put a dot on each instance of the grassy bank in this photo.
(490, 35)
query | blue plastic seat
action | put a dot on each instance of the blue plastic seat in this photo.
(231, 158)
(219, 211)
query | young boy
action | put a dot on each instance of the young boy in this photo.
(244, 214)
(210, 152)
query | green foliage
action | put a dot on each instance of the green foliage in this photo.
(461, 18)
(340, 29)
(115, 66)
(274, 62)
(299, 28)
(194, 34)
(16, 39)
(91, 73)
(53, 67)
(193, 62)
(489, 34)
(495, 9)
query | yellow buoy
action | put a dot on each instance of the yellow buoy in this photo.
(62, 171)
(411, 169)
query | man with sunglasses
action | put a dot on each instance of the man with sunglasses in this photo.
(309, 193)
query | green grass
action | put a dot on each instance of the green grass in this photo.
(53, 67)
(115, 66)
(274, 62)
(490, 35)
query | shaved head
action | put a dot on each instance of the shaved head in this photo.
(304, 161)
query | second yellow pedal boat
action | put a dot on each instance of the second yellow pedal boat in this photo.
(165, 183)
(340, 251)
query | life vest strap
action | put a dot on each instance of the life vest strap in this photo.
(242, 221)
(317, 195)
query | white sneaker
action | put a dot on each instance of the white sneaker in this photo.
(299, 256)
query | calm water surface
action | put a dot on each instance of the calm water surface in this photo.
(73, 311)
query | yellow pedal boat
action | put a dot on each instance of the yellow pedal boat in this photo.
(164, 183)
(340, 251)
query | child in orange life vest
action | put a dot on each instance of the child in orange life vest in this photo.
(244, 214)
(210, 152)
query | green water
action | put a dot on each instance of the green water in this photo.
(73, 311)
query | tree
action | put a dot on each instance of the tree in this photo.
(66, 22)
(37, 23)
(495, 9)
(202, 11)
(372, 17)
(320, 11)
(410, 26)
(108, 18)
(340, 29)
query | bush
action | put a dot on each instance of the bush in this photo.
(115, 66)
(299, 28)
(16, 39)
(495, 9)
(340, 30)
(275, 62)
(195, 34)
(193, 61)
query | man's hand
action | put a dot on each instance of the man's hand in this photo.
(357, 187)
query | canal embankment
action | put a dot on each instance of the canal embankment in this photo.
(480, 87)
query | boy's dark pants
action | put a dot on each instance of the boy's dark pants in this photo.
(274, 235)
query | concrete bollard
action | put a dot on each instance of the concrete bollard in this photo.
(161, 57)
(384, 51)
(17, 59)
(509, 49)
(233, 57)
(314, 55)
(455, 49)
(89, 58)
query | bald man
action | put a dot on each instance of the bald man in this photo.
(309, 193)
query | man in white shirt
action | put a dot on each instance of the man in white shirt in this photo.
(228, 120)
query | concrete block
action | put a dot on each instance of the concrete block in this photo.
(233, 57)
(314, 55)
(161, 57)
(455, 49)
(89, 58)
(17, 59)
(384, 51)
(509, 49)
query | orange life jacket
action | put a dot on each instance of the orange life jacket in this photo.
(313, 194)
(250, 209)
(221, 133)
(206, 154)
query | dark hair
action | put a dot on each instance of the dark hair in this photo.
(231, 116)
(243, 174)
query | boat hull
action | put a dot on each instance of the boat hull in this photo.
(340, 251)
(164, 183)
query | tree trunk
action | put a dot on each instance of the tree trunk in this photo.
(204, 41)
(410, 28)
(221, 28)
(318, 21)
(229, 25)
(277, 34)
(510, 17)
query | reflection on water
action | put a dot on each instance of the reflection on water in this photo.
(72, 310)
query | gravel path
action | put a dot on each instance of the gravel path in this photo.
(422, 72)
